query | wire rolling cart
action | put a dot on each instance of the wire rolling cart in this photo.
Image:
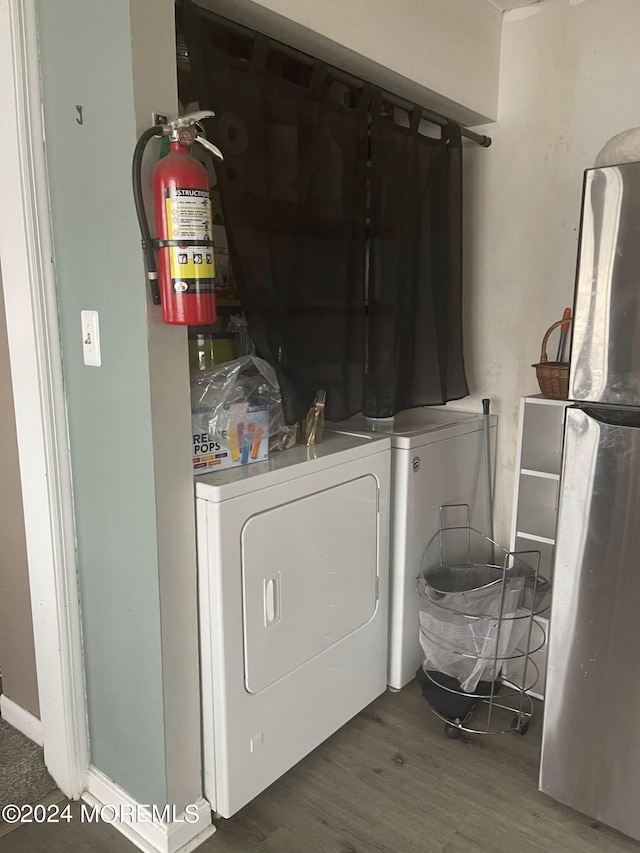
(478, 602)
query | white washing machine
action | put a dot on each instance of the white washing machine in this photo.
(293, 596)
(437, 458)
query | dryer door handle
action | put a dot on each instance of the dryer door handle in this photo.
(272, 608)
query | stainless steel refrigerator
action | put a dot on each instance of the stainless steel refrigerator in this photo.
(591, 738)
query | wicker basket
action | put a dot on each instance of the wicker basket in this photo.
(553, 376)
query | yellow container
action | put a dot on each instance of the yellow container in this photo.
(210, 348)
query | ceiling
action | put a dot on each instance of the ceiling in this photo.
(505, 5)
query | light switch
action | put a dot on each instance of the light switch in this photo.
(91, 338)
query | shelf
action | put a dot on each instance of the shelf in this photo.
(546, 475)
(533, 537)
(535, 511)
(514, 670)
(545, 549)
(546, 461)
(542, 438)
(545, 401)
(537, 507)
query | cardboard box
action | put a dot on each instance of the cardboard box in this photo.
(244, 440)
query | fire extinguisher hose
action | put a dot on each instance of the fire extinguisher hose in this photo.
(147, 246)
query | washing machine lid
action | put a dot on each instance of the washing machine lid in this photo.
(309, 577)
(415, 427)
(286, 465)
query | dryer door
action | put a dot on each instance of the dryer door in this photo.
(309, 578)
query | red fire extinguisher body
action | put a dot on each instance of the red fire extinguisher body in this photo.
(183, 213)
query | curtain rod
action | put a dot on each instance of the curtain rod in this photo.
(428, 115)
(437, 118)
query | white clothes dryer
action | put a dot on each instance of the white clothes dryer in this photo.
(436, 458)
(293, 598)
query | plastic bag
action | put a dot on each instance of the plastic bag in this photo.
(470, 630)
(477, 601)
(466, 646)
(222, 396)
(238, 327)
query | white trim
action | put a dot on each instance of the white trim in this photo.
(152, 837)
(533, 537)
(36, 367)
(546, 401)
(544, 475)
(518, 470)
(21, 719)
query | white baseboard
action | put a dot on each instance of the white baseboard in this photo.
(21, 719)
(151, 837)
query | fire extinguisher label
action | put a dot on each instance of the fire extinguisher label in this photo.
(189, 218)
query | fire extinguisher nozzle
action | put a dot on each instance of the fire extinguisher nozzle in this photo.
(150, 258)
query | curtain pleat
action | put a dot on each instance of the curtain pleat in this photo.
(414, 328)
(293, 190)
(294, 187)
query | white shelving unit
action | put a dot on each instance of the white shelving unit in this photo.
(535, 501)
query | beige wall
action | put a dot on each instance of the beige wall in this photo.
(443, 54)
(17, 657)
(569, 81)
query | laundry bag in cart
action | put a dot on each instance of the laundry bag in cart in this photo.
(477, 601)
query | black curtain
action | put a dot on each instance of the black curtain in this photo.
(414, 332)
(293, 190)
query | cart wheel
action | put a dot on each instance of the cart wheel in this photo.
(452, 732)
(518, 726)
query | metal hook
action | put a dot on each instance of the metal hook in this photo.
(80, 119)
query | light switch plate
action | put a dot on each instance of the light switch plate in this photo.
(91, 338)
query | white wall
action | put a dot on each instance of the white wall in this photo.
(569, 81)
(443, 54)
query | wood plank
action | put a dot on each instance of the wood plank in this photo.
(388, 782)
(54, 798)
(73, 837)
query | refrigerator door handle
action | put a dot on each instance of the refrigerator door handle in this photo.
(614, 416)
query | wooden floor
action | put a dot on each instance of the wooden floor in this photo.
(389, 781)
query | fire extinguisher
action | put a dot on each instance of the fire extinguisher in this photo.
(182, 280)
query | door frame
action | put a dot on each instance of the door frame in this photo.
(26, 255)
